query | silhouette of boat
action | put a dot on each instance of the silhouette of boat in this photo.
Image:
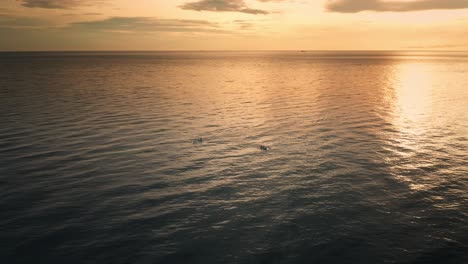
(264, 148)
(197, 141)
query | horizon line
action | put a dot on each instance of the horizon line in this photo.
(253, 50)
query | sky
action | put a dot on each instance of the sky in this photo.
(233, 25)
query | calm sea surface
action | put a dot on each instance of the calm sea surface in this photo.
(368, 159)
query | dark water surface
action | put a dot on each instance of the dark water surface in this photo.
(368, 160)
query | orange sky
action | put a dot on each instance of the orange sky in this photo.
(233, 24)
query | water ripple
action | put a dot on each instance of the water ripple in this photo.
(367, 158)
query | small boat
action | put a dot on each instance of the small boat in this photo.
(197, 141)
(264, 148)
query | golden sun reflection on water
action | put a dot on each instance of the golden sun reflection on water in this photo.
(425, 107)
(414, 83)
(414, 89)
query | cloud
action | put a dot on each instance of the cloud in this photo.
(21, 22)
(58, 4)
(244, 24)
(222, 6)
(439, 46)
(146, 24)
(353, 6)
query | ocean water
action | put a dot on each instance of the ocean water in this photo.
(368, 158)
